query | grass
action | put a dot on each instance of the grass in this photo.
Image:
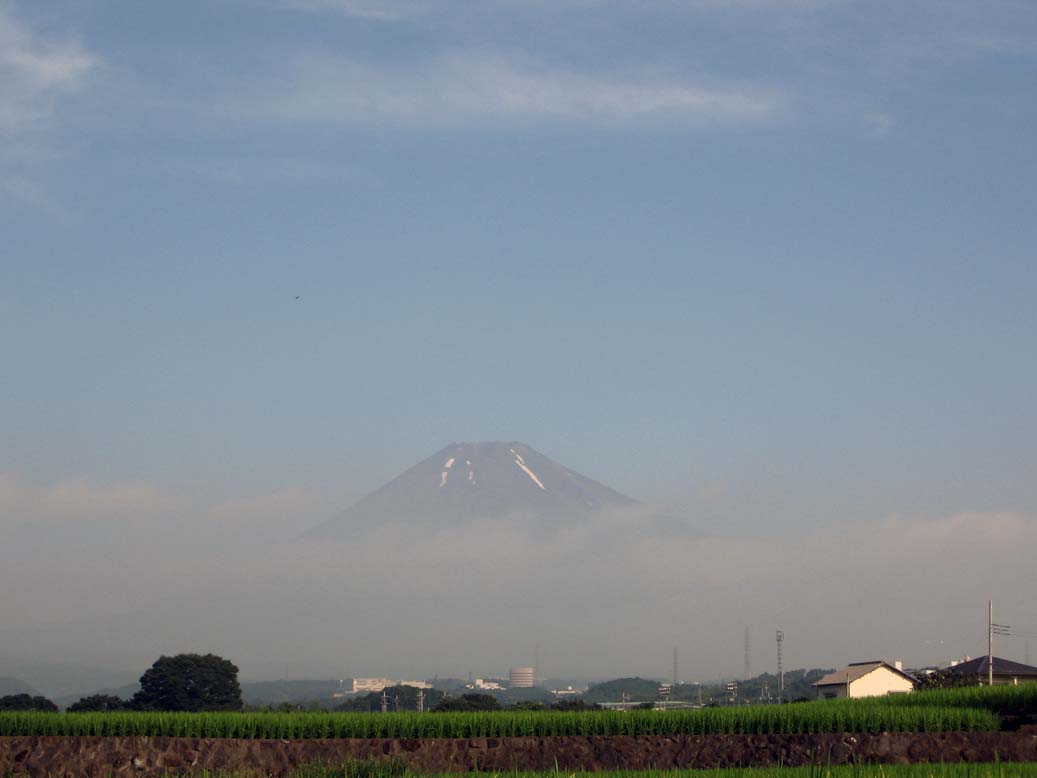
(975, 708)
(803, 718)
(1005, 700)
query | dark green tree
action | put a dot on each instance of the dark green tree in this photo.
(27, 702)
(190, 682)
(946, 679)
(468, 702)
(98, 702)
(576, 704)
(406, 695)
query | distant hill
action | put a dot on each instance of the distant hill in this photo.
(405, 696)
(63, 679)
(122, 692)
(297, 692)
(466, 481)
(10, 686)
(799, 685)
(635, 689)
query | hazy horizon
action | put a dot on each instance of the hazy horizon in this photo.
(765, 266)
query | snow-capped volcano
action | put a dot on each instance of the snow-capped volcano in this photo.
(478, 480)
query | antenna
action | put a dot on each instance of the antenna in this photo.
(675, 681)
(780, 637)
(747, 669)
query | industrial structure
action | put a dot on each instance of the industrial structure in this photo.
(522, 678)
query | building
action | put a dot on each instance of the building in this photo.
(364, 685)
(521, 678)
(865, 679)
(371, 684)
(1005, 671)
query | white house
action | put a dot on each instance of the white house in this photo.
(865, 679)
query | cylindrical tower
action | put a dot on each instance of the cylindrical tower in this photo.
(521, 678)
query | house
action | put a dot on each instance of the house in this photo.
(865, 679)
(1005, 670)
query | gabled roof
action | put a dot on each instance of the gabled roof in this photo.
(852, 672)
(978, 666)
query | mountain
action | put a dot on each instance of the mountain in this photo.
(465, 481)
(61, 679)
(10, 686)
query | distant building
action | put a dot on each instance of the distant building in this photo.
(1005, 671)
(487, 685)
(568, 692)
(361, 685)
(521, 678)
(865, 679)
(415, 684)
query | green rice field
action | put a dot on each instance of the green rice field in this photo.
(968, 709)
(802, 718)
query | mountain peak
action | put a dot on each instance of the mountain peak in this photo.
(466, 481)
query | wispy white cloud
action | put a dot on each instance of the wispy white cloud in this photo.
(34, 71)
(377, 10)
(473, 87)
(405, 10)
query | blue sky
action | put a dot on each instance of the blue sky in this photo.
(768, 261)
(669, 244)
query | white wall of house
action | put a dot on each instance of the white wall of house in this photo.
(878, 682)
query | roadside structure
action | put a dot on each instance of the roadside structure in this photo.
(865, 679)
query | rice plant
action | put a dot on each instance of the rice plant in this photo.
(804, 718)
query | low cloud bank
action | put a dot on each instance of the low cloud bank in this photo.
(603, 598)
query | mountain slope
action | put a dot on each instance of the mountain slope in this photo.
(14, 686)
(465, 481)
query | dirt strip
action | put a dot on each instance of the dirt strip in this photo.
(155, 756)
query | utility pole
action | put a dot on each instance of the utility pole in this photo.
(990, 642)
(421, 700)
(675, 681)
(385, 701)
(993, 629)
(780, 637)
(536, 665)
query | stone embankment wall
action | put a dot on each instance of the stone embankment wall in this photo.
(157, 756)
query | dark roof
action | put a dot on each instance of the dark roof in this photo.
(978, 666)
(856, 670)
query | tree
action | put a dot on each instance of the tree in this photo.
(98, 702)
(189, 682)
(407, 696)
(571, 705)
(946, 679)
(468, 702)
(27, 702)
